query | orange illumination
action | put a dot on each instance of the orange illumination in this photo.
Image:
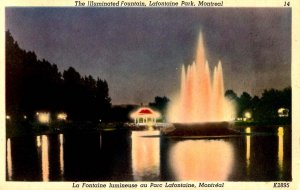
(145, 154)
(205, 160)
(61, 153)
(280, 131)
(248, 130)
(42, 145)
(9, 160)
(43, 117)
(248, 147)
(38, 141)
(201, 99)
(280, 147)
(247, 115)
(62, 116)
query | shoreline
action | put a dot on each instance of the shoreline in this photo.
(26, 128)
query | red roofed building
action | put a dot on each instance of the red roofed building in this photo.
(145, 116)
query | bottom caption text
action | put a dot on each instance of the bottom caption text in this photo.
(145, 185)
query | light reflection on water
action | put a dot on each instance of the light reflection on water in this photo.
(145, 155)
(38, 141)
(9, 160)
(42, 143)
(100, 141)
(248, 149)
(280, 147)
(61, 153)
(201, 160)
(43, 150)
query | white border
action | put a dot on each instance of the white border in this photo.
(294, 4)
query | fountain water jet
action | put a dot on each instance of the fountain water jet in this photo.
(200, 99)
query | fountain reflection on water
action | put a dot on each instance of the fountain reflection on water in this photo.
(207, 160)
(153, 158)
(145, 154)
(201, 100)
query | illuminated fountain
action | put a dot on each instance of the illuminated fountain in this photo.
(201, 99)
(201, 104)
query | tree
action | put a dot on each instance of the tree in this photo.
(244, 103)
(160, 103)
(103, 101)
(33, 85)
(231, 95)
(255, 104)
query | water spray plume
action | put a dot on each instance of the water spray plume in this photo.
(201, 99)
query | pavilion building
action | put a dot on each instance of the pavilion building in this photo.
(145, 116)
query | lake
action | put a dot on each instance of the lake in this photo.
(258, 154)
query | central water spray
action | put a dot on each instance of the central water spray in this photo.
(201, 99)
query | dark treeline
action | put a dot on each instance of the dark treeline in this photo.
(264, 108)
(36, 85)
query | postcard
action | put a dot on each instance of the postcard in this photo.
(150, 94)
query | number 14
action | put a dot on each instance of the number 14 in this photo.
(286, 3)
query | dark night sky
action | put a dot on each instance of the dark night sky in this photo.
(140, 51)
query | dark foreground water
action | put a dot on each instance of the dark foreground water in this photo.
(265, 155)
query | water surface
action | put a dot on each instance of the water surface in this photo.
(261, 154)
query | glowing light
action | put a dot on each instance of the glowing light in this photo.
(61, 153)
(280, 131)
(45, 158)
(8, 117)
(145, 155)
(38, 141)
(248, 130)
(62, 116)
(9, 160)
(247, 115)
(280, 147)
(283, 112)
(200, 99)
(201, 160)
(248, 148)
(43, 117)
(43, 150)
(25, 117)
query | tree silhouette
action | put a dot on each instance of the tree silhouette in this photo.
(160, 103)
(33, 85)
(244, 103)
(265, 108)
